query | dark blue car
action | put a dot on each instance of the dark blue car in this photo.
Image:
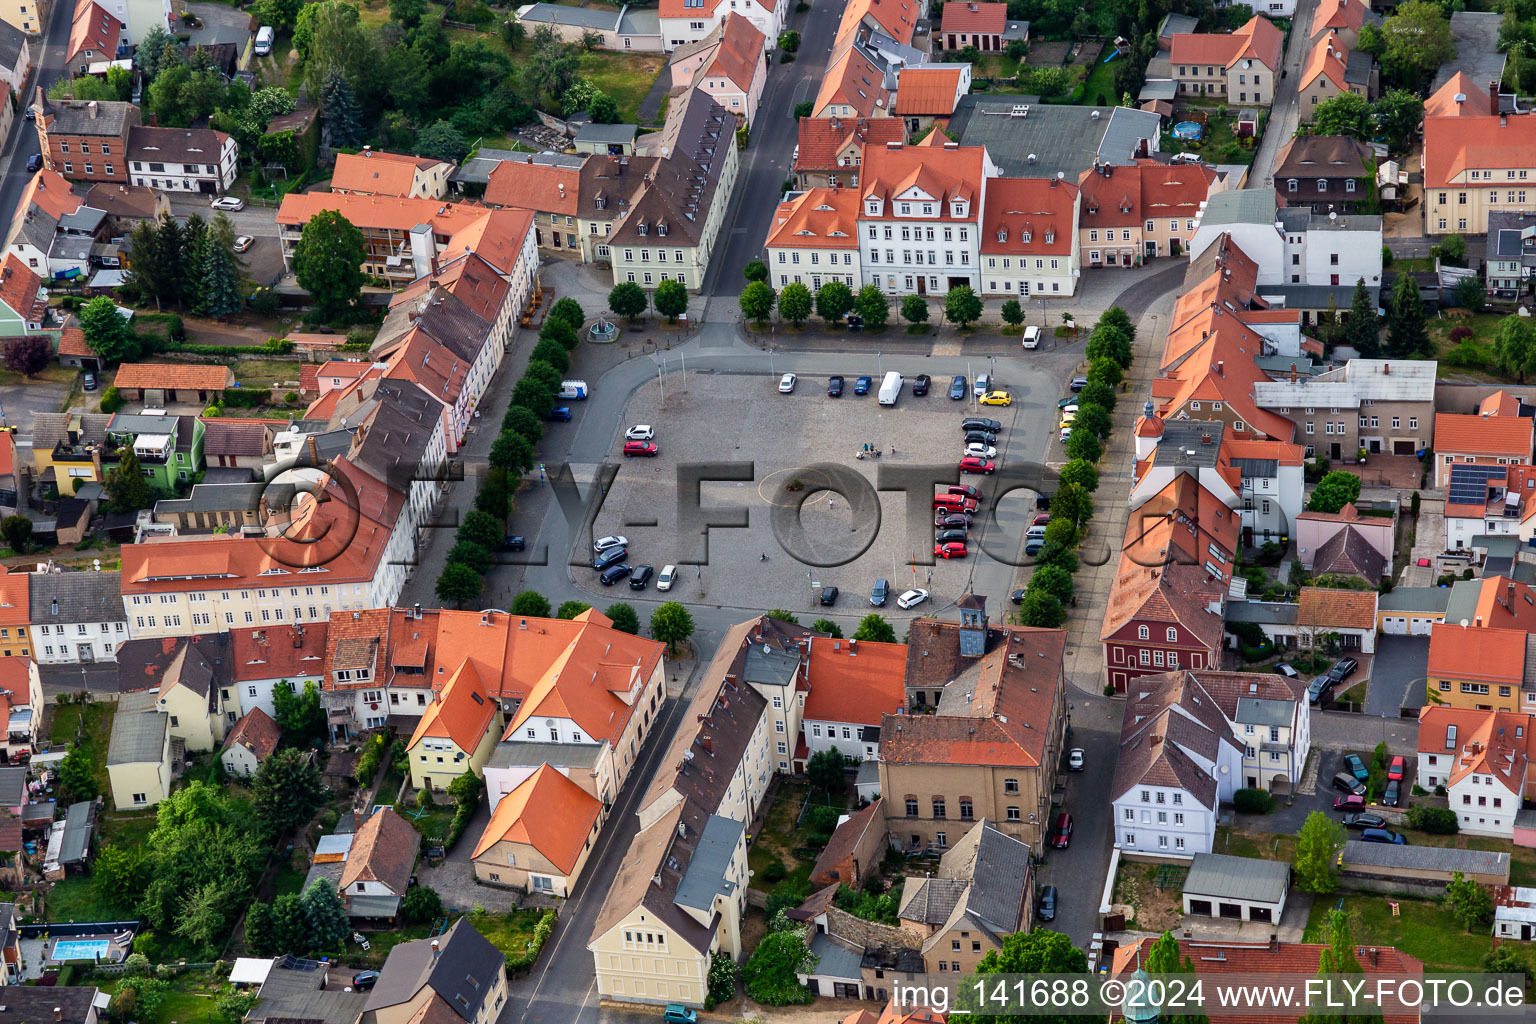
(957, 388)
(861, 386)
(562, 413)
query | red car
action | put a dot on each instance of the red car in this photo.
(1042, 519)
(1396, 767)
(950, 549)
(639, 448)
(1349, 803)
(954, 503)
(972, 464)
(965, 491)
(1061, 831)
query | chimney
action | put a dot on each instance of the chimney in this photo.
(1493, 97)
(1293, 373)
(1205, 439)
(1274, 942)
(437, 950)
(1221, 365)
(58, 1013)
(93, 108)
(1386, 369)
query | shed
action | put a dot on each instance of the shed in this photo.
(1514, 912)
(1401, 866)
(1238, 888)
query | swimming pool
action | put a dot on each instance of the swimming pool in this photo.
(80, 949)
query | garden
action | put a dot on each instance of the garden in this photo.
(1219, 142)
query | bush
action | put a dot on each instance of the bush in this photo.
(1253, 801)
(1437, 821)
(529, 956)
(112, 400)
(775, 871)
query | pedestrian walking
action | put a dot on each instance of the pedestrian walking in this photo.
(829, 504)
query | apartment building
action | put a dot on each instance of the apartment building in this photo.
(76, 617)
(831, 150)
(1029, 238)
(198, 160)
(374, 172)
(1480, 668)
(688, 21)
(1295, 246)
(983, 891)
(728, 64)
(1496, 435)
(1139, 212)
(264, 659)
(1483, 758)
(1342, 19)
(1484, 502)
(85, 140)
(1325, 173)
(1476, 158)
(1376, 405)
(814, 238)
(96, 34)
(854, 684)
(456, 732)
(1241, 67)
(928, 94)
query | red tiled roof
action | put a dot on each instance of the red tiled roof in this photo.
(1466, 434)
(1501, 744)
(93, 29)
(819, 218)
(174, 376)
(21, 289)
(375, 172)
(1466, 652)
(1454, 145)
(1477, 101)
(974, 18)
(852, 80)
(279, 652)
(534, 186)
(1349, 609)
(946, 174)
(255, 732)
(462, 711)
(931, 89)
(548, 812)
(855, 682)
(1257, 38)
(307, 384)
(1172, 594)
(1041, 208)
(384, 851)
(824, 139)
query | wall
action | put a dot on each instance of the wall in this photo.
(869, 933)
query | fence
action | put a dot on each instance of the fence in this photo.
(77, 928)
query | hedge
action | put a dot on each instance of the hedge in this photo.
(246, 398)
(541, 933)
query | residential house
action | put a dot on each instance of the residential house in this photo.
(1475, 158)
(854, 684)
(241, 443)
(728, 64)
(15, 615)
(688, 21)
(1381, 406)
(982, 25)
(374, 172)
(1029, 238)
(992, 747)
(253, 739)
(1479, 669)
(1142, 211)
(157, 384)
(198, 160)
(64, 1004)
(76, 617)
(774, 661)
(539, 835)
(15, 57)
(831, 150)
(674, 220)
(21, 706)
(46, 200)
(927, 94)
(86, 140)
(140, 752)
(855, 86)
(1494, 436)
(680, 891)
(23, 14)
(1343, 19)
(1160, 617)
(378, 866)
(1185, 523)
(983, 892)
(289, 985)
(814, 239)
(628, 29)
(1494, 601)
(855, 850)
(1331, 69)
(1325, 172)
(456, 733)
(95, 35)
(67, 447)
(1484, 759)
(1489, 501)
(188, 675)
(169, 448)
(457, 975)
(1346, 543)
(1293, 246)
(264, 659)
(1511, 252)
(1239, 68)
(577, 201)
(23, 300)
(934, 199)
(1326, 617)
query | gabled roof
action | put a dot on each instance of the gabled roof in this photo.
(1467, 434)
(291, 652)
(1328, 58)
(824, 139)
(256, 733)
(1346, 609)
(532, 186)
(1454, 145)
(845, 840)
(931, 89)
(1348, 553)
(77, 596)
(375, 172)
(819, 218)
(461, 712)
(93, 28)
(738, 53)
(1324, 156)
(1347, 15)
(1257, 39)
(854, 682)
(460, 966)
(383, 851)
(975, 18)
(1496, 743)
(1029, 216)
(946, 174)
(1475, 100)
(1174, 594)
(21, 289)
(1467, 652)
(853, 80)
(548, 812)
(174, 376)
(250, 438)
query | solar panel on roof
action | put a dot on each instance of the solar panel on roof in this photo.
(1469, 484)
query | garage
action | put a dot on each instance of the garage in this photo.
(1412, 611)
(1236, 888)
(1403, 448)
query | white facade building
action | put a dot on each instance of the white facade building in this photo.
(197, 160)
(77, 617)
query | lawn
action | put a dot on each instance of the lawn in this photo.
(190, 999)
(1219, 145)
(1100, 81)
(53, 373)
(125, 828)
(626, 77)
(74, 899)
(509, 932)
(1260, 845)
(264, 373)
(1422, 929)
(1470, 357)
(66, 728)
(778, 837)
(290, 875)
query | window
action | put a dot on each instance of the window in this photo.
(938, 807)
(1143, 633)
(1013, 814)
(1010, 785)
(965, 808)
(912, 807)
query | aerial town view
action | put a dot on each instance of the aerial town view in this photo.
(767, 511)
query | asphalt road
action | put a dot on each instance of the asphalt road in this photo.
(1284, 112)
(48, 65)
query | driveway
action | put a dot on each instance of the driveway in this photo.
(20, 402)
(1398, 676)
(454, 878)
(1078, 872)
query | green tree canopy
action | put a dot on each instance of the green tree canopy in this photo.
(1317, 850)
(107, 333)
(1347, 113)
(825, 769)
(755, 270)
(1399, 113)
(771, 973)
(914, 309)
(126, 487)
(328, 263)
(962, 306)
(1334, 491)
(873, 627)
(874, 306)
(459, 585)
(571, 609)
(671, 299)
(627, 300)
(1514, 345)
(795, 303)
(1041, 608)
(672, 624)
(530, 603)
(286, 792)
(757, 300)
(834, 300)
(1407, 333)
(624, 618)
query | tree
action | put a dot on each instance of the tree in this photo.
(672, 299)
(1469, 901)
(1514, 345)
(28, 354)
(1097, 392)
(1053, 580)
(232, 1007)
(1334, 491)
(324, 915)
(17, 531)
(106, 332)
(627, 300)
(723, 973)
(784, 616)
(512, 451)
(561, 331)
(672, 624)
(755, 270)
(1111, 343)
(1469, 294)
(1106, 372)
(1072, 503)
(795, 303)
(482, 528)
(147, 55)
(328, 263)
(571, 609)
(1083, 445)
(421, 904)
(604, 109)
(828, 627)
(962, 306)
(624, 618)
(553, 353)
(771, 973)
(530, 603)
(1081, 474)
(459, 585)
(875, 629)
(1317, 851)
(117, 874)
(1163, 960)
(286, 792)
(568, 310)
(874, 306)
(834, 300)
(77, 775)
(1091, 419)
(127, 489)
(1347, 113)
(339, 105)
(1041, 609)
(220, 281)
(1509, 960)
(757, 300)
(440, 140)
(824, 770)
(1398, 114)
(1036, 952)
(804, 109)
(260, 929)
(407, 13)
(1414, 42)
(1362, 331)
(1406, 332)
(550, 71)
(1013, 313)
(467, 552)
(789, 41)
(914, 309)
(1451, 249)
(298, 713)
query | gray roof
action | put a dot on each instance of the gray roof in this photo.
(84, 219)
(140, 423)
(460, 971)
(1257, 469)
(1475, 35)
(1462, 604)
(999, 872)
(1504, 229)
(372, 905)
(1240, 206)
(1262, 711)
(1358, 68)
(868, 774)
(11, 41)
(1265, 613)
(244, 496)
(705, 877)
(81, 597)
(834, 959)
(138, 729)
(1313, 296)
(1127, 128)
(13, 784)
(478, 167)
(77, 833)
(51, 428)
(1183, 437)
(591, 131)
(1359, 854)
(634, 22)
(1061, 138)
(770, 666)
(603, 20)
(92, 117)
(1159, 90)
(1247, 878)
(1177, 24)
(329, 870)
(25, 1004)
(292, 992)
(560, 755)
(1414, 599)
(932, 900)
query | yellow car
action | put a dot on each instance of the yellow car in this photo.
(1067, 419)
(997, 398)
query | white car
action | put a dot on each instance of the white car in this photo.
(243, 242)
(981, 451)
(983, 384)
(1075, 759)
(786, 384)
(640, 432)
(228, 203)
(667, 577)
(912, 598)
(604, 543)
(1066, 432)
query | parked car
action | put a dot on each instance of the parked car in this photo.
(1017, 597)
(640, 432)
(950, 549)
(1045, 903)
(970, 423)
(666, 578)
(980, 450)
(1382, 835)
(1067, 419)
(1364, 821)
(1396, 767)
(980, 437)
(641, 577)
(1078, 383)
(787, 384)
(228, 204)
(613, 541)
(614, 573)
(34, 162)
(835, 386)
(957, 388)
(88, 380)
(1061, 831)
(1043, 502)
(1352, 803)
(1033, 545)
(983, 384)
(997, 398)
(861, 386)
(1287, 670)
(1356, 767)
(1031, 337)
(364, 980)
(560, 414)
(611, 557)
(243, 242)
(972, 464)
(1066, 434)
(1318, 688)
(951, 520)
(879, 592)
(1041, 519)
(676, 1013)
(1347, 783)
(828, 596)
(514, 542)
(853, 320)
(1392, 796)
(1076, 759)
(921, 384)
(642, 448)
(951, 536)
(1342, 668)
(965, 491)
(955, 503)
(911, 599)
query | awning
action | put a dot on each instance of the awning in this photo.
(250, 970)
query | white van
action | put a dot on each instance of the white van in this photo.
(573, 389)
(1031, 337)
(890, 388)
(265, 37)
